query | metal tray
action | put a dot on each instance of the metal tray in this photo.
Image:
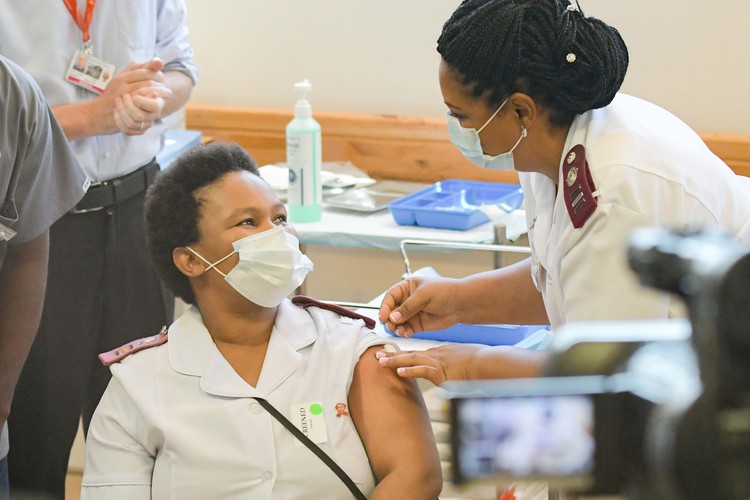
(373, 198)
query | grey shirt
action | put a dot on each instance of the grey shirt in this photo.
(40, 179)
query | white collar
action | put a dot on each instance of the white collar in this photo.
(192, 352)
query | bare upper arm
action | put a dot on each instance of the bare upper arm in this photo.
(392, 421)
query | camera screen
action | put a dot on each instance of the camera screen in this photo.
(522, 437)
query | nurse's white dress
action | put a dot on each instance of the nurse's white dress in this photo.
(650, 169)
(176, 421)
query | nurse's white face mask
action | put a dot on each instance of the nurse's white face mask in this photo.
(467, 141)
(271, 266)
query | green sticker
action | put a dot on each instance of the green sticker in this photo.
(316, 409)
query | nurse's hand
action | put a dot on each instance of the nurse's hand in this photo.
(448, 362)
(465, 362)
(420, 305)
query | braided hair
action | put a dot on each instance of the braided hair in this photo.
(547, 49)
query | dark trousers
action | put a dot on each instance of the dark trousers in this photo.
(102, 292)
(4, 478)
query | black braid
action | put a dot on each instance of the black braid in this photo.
(503, 46)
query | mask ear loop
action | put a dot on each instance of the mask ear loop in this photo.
(493, 115)
(524, 133)
(210, 266)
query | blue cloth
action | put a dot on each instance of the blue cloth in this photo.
(4, 489)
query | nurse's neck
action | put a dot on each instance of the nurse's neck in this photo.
(542, 150)
(551, 152)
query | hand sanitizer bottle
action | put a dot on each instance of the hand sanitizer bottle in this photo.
(303, 157)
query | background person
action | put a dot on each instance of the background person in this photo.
(40, 180)
(180, 420)
(101, 285)
(533, 85)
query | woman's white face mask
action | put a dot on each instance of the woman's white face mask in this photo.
(467, 141)
(271, 266)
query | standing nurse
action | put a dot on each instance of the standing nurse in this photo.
(533, 86)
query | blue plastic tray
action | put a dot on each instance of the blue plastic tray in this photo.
(454, 204)
(479, 334)
(177, 142)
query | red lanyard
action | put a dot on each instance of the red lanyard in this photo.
(83, 21)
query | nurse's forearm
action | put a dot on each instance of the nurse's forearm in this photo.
(505, 295)
(495, 362)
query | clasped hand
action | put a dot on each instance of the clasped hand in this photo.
(135, 98)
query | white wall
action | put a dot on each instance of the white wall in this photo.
(378, 56)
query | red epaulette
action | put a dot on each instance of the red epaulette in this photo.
(578, 186)
(304, 302)
(115, 355)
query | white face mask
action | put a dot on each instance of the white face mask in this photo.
(467, 141)
(271, 266)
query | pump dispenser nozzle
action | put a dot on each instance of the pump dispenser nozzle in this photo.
(303, 109)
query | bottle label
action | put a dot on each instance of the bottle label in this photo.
(303, 154)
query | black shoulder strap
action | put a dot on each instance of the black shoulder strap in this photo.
(314, 448)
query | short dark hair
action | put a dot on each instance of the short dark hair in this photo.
(173, 211)
(547, 49)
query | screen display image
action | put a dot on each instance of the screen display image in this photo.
(530, 436)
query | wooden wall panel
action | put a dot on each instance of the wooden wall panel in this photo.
(733, 149)
(385, 146)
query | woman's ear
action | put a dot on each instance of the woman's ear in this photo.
(187, 262)
(525, 108)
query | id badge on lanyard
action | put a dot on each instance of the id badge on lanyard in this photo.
(86, 70)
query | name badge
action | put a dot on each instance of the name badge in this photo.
(89, 72)
(310, 419)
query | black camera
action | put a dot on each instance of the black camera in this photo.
(644, 409)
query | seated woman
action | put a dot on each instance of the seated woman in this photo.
(186, 419)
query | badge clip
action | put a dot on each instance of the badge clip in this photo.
(6, 233)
